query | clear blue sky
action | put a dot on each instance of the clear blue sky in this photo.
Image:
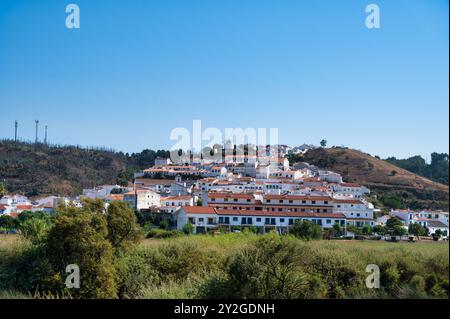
(137, 69)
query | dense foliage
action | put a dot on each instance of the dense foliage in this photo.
(437, 170)
(65, 170)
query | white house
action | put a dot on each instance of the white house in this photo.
(330, 177)
(172, 203)
(349, 190)
(142, 199)
(357, 212)
(207, 218)
(159, 161)
(434, 225)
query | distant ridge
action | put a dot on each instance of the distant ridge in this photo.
(379, 175)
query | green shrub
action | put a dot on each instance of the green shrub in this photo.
(306, 230)
(161, 233)
(134, 273)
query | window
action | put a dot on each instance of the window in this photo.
(272, 221)
(326, 202)
(220, 220)
(328, 221)
(249, 220)
(267, 221)
(201, 220)
(319, 222)
(235, 199)
(248, 200)
(227, 220)
(244, 220)
(291, 201)
(258, 220)
(268, 200)
(191, 220)
(313, 202)
(358, 214)
(303, 201)
(281, 201)
(291, 221)
(281, 220)
(235, 219)
(210, 221)
(213, 199)
(226, 199)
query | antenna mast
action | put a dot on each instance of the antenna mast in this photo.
(45, 139)
(16, 125)
(37, 128)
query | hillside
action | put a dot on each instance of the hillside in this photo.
(382, 177)
(55, 170)
(65, 170)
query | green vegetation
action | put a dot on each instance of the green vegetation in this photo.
(65, 170)
(437, 170)
(306, 229)
(232, 265)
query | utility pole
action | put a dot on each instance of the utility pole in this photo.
(37, 128)
(16, 125)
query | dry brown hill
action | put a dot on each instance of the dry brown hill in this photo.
(379, 175)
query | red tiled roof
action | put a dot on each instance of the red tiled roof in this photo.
(298, 197)
(281, 214)
(24, 207)
(347, 201)
(199, 210)
(229, 195)
(186, 197)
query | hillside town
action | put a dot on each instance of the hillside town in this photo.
(241, 191)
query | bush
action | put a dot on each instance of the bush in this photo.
(267, 269)
(161, 233)
(306, 230)
(134, 273)
(188, 229)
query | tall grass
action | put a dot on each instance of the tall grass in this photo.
(235, 264)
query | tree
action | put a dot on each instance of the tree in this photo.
(9, 223)
(393, 222)
(323, 143)
(399, 231)
(366, 230)
(380, 230)
(80, 237)
(3, 189)
(124, 177)
(123, 229)
(393, 202)
(27, 215)
(35, 230)
(416, 230)
(337, 229)
(306, 229)
(188, 229)
(353, 229)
